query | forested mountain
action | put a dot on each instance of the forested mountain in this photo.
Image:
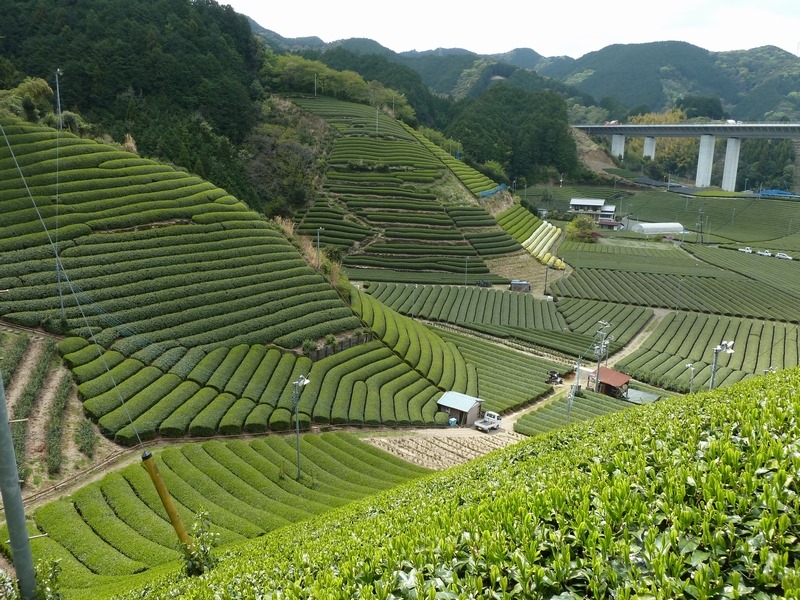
(754, 85)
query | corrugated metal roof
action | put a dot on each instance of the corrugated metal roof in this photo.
(612, 377)
(586, 202)
(458, 401)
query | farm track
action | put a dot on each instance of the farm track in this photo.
(644, 333)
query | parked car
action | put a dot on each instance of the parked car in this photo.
(746, 249)
(483, 283)
(783, 255)
(491, 420)
(764, 253)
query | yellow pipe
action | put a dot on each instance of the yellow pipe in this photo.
(166, 499)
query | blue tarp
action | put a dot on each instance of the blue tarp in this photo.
(493, 191)
(780, 193)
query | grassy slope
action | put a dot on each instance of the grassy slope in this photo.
(693, 496)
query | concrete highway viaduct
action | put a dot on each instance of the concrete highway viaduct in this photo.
(708, 134)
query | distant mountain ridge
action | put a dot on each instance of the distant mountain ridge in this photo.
(753, 85)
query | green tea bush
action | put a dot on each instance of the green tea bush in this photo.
(258, 419)
(233, 421)
(177, 423)
(86, 438)
(97, 367)
(146, 425)
(98, 406)
(281, 419)
(258, 382)
(223, 373)
(60, 520)
(205, 423)
(139, 404)
(55, 426)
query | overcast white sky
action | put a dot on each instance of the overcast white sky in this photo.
(551, 28)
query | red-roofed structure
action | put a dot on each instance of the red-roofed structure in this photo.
(612, 383)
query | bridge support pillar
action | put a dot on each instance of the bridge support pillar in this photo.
(731, 164)
(705, 160)
(618, 145)
(649, 147)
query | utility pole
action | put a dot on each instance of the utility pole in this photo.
(575, 387)
(700, 223)
(318, 230)
(726, 347)
(301, 381)
(600, 349)
(13, 506)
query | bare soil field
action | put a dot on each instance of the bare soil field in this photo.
(523, 266)
(441, 449)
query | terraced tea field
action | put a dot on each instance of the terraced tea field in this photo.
(386, 208)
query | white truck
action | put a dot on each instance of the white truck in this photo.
(490, 420)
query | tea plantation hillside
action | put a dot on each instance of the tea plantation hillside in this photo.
(184, 312)
(692, 497)
(186, 305)
(397, 207)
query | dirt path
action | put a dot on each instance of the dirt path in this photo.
(639, 338)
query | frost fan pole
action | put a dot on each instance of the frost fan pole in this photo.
(14, 508)
(166, 499)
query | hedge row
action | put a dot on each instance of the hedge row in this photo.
(155, 420)
(117, 396)
(12, 355)
(206, 422)
(107, 380)
(98, 515)
(61, 521)
(427, 249)
(177, 423)
(472, 266)
(127, 409)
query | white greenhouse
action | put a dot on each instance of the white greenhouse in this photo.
(658, 228)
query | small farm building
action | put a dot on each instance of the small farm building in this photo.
(610, 224)
(595, 208)
(517, 285)
(612, 383)
(463, 408)
(658, 228)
